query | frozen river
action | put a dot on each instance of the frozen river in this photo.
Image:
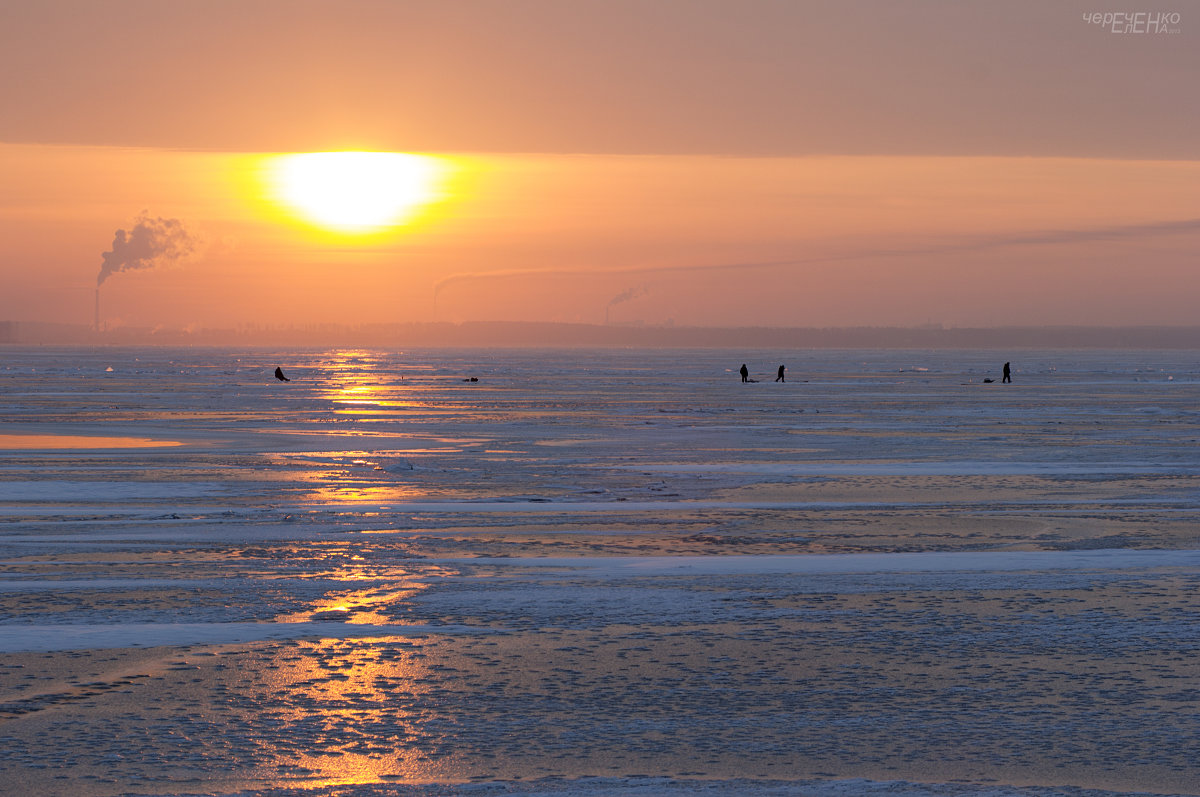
(598, 571)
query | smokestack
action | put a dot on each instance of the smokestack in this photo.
(97, 308)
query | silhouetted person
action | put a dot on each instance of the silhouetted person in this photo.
(779, 376)
(745, 372)
(1007, 374)
(279, 375)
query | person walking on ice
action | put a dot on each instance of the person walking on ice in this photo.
(1007, 374)
(779, 376)
(745, 372)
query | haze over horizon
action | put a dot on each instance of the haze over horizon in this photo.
(699, 163)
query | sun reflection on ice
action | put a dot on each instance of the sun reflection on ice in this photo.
(365, 606)
(352, 703)
(381, 598)
(355, 388)
(350, 477)
(346, 708)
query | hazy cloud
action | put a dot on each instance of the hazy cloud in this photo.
(758, 77)
(966, 244)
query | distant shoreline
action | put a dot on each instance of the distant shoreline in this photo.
(553, 335)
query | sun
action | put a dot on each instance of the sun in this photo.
(354, 192)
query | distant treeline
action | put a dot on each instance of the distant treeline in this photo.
(499, 334)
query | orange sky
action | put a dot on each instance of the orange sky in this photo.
(787, 164)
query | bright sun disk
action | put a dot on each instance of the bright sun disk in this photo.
(354, 191)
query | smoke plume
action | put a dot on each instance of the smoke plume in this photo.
(149, 243)
(627, 295)
(624, 296)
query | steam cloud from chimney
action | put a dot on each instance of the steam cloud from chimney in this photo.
(624, 296)
(149, 243)
(627, 295)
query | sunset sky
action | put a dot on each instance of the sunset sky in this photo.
(662, 161)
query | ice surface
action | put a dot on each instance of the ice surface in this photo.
(19, 638)
(67, 492)
(928, 562)
(883, 576)
(652, 787)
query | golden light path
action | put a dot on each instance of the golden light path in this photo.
(354, 192)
